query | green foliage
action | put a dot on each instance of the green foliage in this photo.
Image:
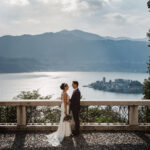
(146, 88)
(31, 95)
(51, 115)
(99, 114)
(148, 4)
(144, 113)
(7, 114)
(148, 67)
(148, 34)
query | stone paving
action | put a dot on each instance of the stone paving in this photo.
(87, 140)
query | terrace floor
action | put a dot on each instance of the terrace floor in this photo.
(87, 140)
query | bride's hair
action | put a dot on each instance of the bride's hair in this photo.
(62, 87)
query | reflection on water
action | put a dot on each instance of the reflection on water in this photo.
(49, 82)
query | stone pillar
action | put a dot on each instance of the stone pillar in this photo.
(21, 115)
(133, 115)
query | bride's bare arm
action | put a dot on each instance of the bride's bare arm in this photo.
(65, 102)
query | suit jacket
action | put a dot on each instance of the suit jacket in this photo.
(75, 101)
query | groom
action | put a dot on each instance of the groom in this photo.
(75, 106)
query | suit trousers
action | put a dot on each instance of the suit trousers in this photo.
(76, 120)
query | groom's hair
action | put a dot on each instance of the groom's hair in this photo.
(76, 82)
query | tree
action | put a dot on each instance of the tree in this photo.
(144, 112)
(146, 87)
(148, 4)
(148, 34)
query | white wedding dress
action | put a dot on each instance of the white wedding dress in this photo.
(64, 128)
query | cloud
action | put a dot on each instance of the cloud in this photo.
(17, 2)
(104, 17)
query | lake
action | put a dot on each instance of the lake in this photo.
(48, 83)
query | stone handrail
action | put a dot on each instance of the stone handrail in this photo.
(36, 102)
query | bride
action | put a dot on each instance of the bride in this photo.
(64, 128)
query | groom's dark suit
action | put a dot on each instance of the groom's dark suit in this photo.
(75, 108)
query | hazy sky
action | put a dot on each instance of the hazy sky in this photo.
(129, 18)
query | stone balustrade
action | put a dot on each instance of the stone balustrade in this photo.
(21, 124)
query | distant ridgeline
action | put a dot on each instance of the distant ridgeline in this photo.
(74, 50)
(118, 86)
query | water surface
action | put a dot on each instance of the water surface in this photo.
(48, 83)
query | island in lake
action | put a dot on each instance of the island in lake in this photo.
(118, 86)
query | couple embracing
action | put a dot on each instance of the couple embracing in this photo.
(70, 108)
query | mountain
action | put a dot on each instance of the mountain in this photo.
(78, 34)
(9, 65)
(74, 50)
(126, 38)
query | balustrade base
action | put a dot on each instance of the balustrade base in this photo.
(84, 126)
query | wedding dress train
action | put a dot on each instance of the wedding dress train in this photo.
(64, 128)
